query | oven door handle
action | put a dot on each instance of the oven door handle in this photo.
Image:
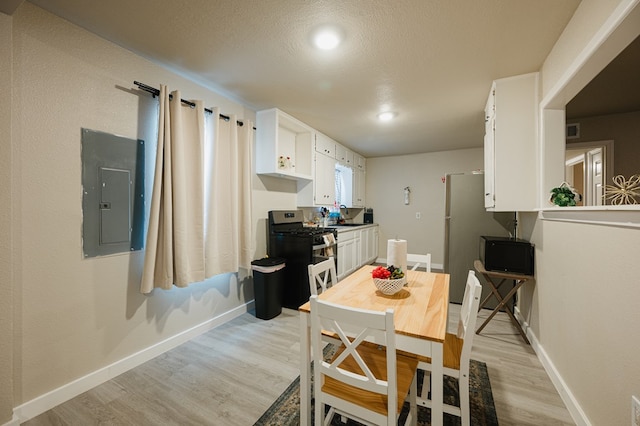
(322, 246)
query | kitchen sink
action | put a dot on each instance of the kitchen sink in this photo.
(350, 224)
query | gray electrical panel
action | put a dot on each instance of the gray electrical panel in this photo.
(113, 193)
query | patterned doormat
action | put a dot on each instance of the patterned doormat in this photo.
(285, 411)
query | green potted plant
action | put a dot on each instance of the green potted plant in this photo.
(565, 196)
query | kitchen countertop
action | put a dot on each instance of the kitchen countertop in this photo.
(343, 228)
(351, 227)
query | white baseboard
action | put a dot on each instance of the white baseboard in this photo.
(13, 422)
(45, 402)
(412, 259)
(569, 400)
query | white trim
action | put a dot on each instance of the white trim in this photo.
(39, 405)
(13, 422)
(412, 259)
(616, 32)
(577, 414)
(582, 68)
(620, 216)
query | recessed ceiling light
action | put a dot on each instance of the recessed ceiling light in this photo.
(327, 38)
(386, 116)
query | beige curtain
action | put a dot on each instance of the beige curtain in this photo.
(228, 227)
(245, 197)
(200, 219)
(174, 252)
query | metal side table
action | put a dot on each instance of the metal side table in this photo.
(490, 276)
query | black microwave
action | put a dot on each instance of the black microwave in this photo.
(507, 255)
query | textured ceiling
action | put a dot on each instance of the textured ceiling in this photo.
(431, 61)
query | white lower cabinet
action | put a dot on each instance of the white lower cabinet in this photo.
(348, 247)
(369, 244)
(357, 251)
(356, 248)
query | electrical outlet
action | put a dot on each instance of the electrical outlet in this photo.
(418, 217)
(635, 411)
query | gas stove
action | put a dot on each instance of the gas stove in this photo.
(300, 246)
(317, 234)
(290, 223)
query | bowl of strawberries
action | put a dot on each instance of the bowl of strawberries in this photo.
(388, 280)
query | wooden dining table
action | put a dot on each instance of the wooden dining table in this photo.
(420, 317)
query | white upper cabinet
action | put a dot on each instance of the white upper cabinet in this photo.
(511, 137)
(324, 180)
(489, 166)
(344, 155)
(325, 145)
(283, 146)
(341, 154)
(359, 162)
(357, 199)
(288, 148)
(322, 190)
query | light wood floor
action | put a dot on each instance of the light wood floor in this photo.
(232, 374)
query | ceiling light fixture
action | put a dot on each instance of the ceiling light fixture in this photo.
(327, 38)
(386, 116)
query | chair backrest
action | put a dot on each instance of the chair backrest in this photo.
(353, 326)
(469, 314)
(321, 274)
(426, 260)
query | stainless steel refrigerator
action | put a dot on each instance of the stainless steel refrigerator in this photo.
(465, 221)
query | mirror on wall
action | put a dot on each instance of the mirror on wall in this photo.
(603, 128)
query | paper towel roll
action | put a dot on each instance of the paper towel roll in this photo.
(397, 254)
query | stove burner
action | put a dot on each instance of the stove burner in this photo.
(305, 231)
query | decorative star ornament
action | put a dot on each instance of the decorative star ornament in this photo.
(623, 191)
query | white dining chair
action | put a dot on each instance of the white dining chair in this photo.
(363, 381)
(457, 352)
(423, 260)
(322, 275)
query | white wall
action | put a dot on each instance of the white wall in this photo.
(269, 193)
(6, 279)
(74, 316)
(582, 309)
(386, 177)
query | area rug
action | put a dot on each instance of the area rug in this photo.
(285, 411)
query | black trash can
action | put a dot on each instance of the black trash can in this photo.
(268, 279)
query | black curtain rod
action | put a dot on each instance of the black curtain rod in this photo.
(156, 92)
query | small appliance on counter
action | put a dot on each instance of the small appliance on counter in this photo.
(368, 215)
